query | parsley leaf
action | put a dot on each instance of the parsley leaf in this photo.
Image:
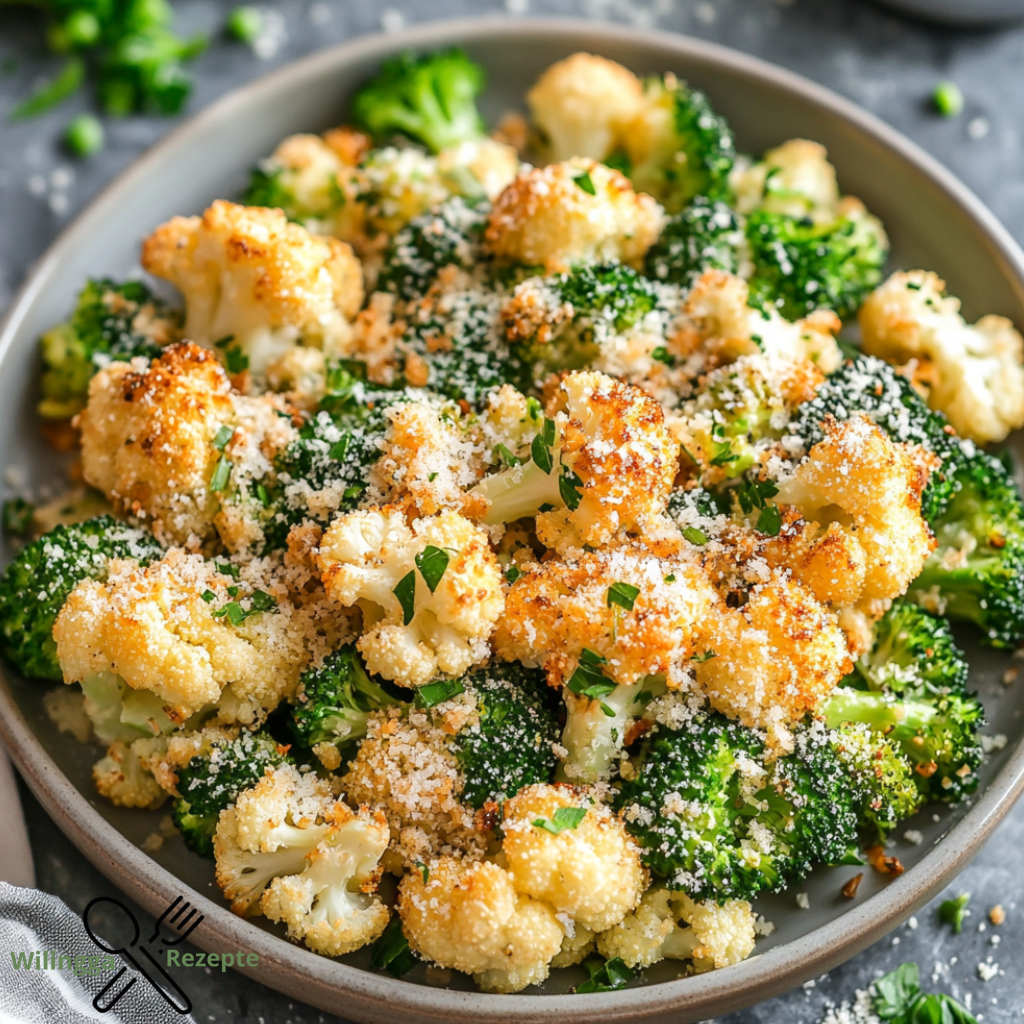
(512, 573)
(221, 475)
(391, 951)
(897, 998)
(227, 569)
(706, 656)
(769, 522)
(953, 911)
(569, 486)
(405, 591)
(623, 594)
(607, 977)
(541, 453)
(220, 442)
(588, 680)
(564, 818)
(432, 694)
(432, 563)
(695, 536)
(755, 494)
(586, 183)
(506, 456)
(236, 361)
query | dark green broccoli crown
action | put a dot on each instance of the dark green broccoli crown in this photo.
(334, 700)
(704, 236)
(449, 235)
(510, 743)
(872, 387)
(34, 587)
(981, 581)
(211, 782)
(431, 99)
(800, 266)
(111, 321)
(913, 655)
(706, 151)
(881, 774)
(705, 791)
(611, 293)
(938, 736)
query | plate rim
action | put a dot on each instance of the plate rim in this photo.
(319, 981)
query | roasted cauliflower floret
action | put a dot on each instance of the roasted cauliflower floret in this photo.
(871, 487)
(668, 924)
(727, 327)
(121, 777)
(974, 373)
(406, 767)
(581, 107)
(420, 618)
(557, 610)
(795, 178)
(147, 438)
(330, 905)
(174, 630)
(429, 461)
(589, 870)
(255, 284)
(478, 165)
(610, 462)
(467, 915)
(572, 212)
(770, 662)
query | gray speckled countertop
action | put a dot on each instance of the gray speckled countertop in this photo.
(887, 64)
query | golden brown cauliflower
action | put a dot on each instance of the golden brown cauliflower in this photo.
(156, 629)
(416, 625)
(871, 487)
(468, 916)
(557, 609)
(974, 373)
(795, 178)
(773, 660)
(250, 275)
(669, 924)
(406, 767)
(581, 107)
(589, 870)
(147, 438)
(571, 212)
(124, 780)
(611, 465)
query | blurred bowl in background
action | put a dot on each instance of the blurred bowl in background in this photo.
(962, 12)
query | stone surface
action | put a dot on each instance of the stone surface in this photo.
(885, 63)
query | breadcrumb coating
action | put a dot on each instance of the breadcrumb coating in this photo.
(546, 216)
(249, 274)
(468, 916)
(365, 555)
(591, 872)
(581, 106)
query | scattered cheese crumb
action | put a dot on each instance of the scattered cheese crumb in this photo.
(763, 927)
(913, 837)
(803, 901)
(987, 971)
(912, 923)
(392, 20)
(990, 743)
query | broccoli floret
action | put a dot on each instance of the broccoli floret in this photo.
(335, 700)
(977, 570)
(34, 587)
(705, 236)
(883, 776)
(801, 266)
(431, 99)
(511, 744)
(111, 321)
(688, 153)
(873, 387)
(716, 818)
(211, 782)
(938, 736)
(449, 235)
(913, 655)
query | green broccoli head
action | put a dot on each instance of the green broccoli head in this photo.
(977, 570)
(34, 587)
(938, 736)
(913, 655)
(449, 235)
(509, 743)
(211, 782)
(690, 155)
(704, 236)
(873, 387)
(801, 265)
(881, 774)
(335, 700)
(716, 818)
(431, 99)
(111, 321)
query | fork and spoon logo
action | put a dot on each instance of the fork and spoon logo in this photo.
(178, 921)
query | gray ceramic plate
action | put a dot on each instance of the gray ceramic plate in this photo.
(934, 222)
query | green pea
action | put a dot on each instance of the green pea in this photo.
(84, 136)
